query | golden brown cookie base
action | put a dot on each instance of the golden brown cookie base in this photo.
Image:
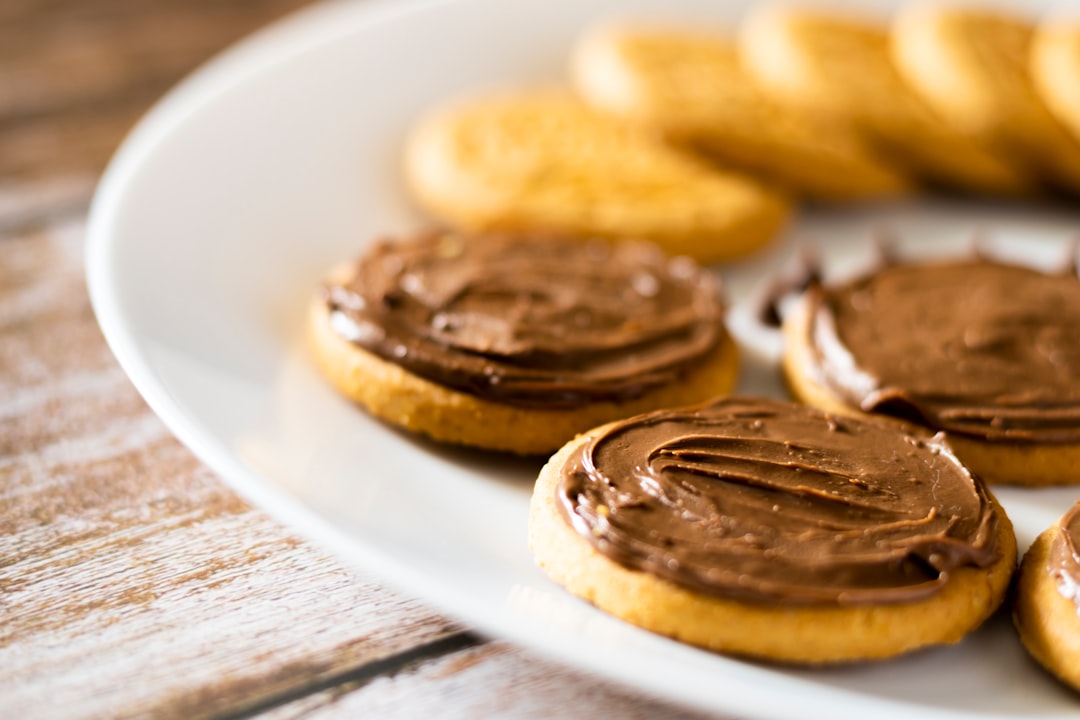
(399, 397)
(1048, 623)
(839, 64)
(542, 162)
(689, 87)
(809, 634)
(1055, 70)
(972, 65)
(1025, 464)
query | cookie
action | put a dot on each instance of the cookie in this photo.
(543, 162)
(690, 88)
(518, 343)
(775, 531)
(972, 66)
(1055, 70)
(1046, 600)
(840, 66)
(982, 350)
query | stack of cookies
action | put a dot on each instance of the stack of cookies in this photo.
(702, 142)
(565, 303)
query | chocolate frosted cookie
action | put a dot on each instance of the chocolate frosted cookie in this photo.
(774, 530)
(985, 351)
(1046, 610)
(518, 343)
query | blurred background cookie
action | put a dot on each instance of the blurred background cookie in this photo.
(519, 343)
(768, 529)
(1046, 604)
(690, 87)
(983, 350)
(971, 64)
(544, 162)
(840, 65)
(1055, 70)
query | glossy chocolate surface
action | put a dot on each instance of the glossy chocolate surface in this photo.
(764, 500)
(978, 348)
(536, 322)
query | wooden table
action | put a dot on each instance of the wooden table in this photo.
(133, 582)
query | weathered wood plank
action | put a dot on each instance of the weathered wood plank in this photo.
(495, 680)
(75, 76)
(26, 204)
(132, 581)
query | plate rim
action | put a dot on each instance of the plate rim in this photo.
(277, 44)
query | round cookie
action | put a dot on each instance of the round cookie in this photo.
(841, 66)
(972, 66)
(519, 343)
(691, 88)
(1055, 70)
(544, 162)
(1046, 599)
(775, 531)
(981, 350)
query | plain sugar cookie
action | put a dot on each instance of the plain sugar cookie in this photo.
(1055, 69)
(518, 343)
(690, 87)
(840, 65)
(775, 531)
(544, 162)
(972, 65)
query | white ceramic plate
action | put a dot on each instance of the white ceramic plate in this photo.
(223, 209)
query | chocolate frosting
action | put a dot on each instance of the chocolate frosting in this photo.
(768, 501)
(978, 348)
(535, 322)
(1065, 557)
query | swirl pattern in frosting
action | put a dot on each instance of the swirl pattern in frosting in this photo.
(978, 348)
(764, 500)
(531, 321)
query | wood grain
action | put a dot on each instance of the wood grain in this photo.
(75, 76)
(495, 680)
(133, 582)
